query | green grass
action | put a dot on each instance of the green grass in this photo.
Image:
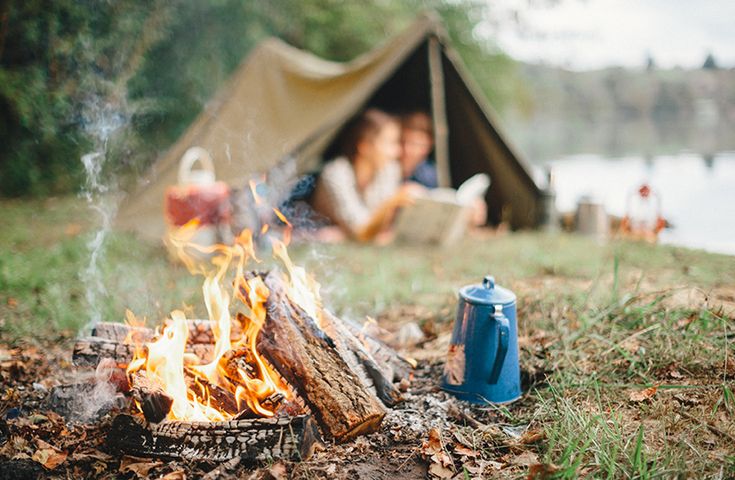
(606, 313)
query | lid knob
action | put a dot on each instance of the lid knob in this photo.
(488, 282)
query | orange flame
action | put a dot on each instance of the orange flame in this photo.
(289, 227)
(165, 358)
(303, 289)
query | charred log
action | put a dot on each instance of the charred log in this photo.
(309, 361)
(251, 440)
(89, 351)
(200, 332)
(153, 401)
(217, 396)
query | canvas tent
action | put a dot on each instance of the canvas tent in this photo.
(286, 103)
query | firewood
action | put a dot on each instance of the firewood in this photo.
(393, 365)
(200, 332)
(218, 397)
(151, 398)
(360, 360)
(90, 350)
(241, 358)
(253, 440)
(309, 361)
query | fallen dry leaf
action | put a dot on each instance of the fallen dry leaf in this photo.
(433, 445)
(525, 459)
(175, 475)
(643, 395)
(532, 436)
(278, 471)
(48, 455)
(138, 466)
(438, 471)
(540, 471)
(465, 452)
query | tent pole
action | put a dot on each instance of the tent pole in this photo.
(439, 113)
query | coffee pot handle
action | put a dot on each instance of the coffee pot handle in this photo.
(503, 340)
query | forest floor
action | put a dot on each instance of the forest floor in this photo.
(627, 352)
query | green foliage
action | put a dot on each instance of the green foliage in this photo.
(157, 63)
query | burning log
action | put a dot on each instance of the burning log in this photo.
(253, 440)
(89, 351)
(153, 401)
(120, 332)
(217, 396)
(309, 361)
(200, 332)
(360, 360)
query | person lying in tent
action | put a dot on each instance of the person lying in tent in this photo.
(418, 165)
(417, 143)
(361, 189)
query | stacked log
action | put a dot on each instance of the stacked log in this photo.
(338, 377)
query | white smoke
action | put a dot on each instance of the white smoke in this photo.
(102, 120)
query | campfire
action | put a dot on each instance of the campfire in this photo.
(268, 375)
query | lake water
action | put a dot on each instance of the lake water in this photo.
(697, 192)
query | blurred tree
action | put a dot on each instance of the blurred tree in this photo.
(56, 56)
(710, 63)
(157, 64)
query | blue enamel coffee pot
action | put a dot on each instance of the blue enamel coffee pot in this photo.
(482, 364)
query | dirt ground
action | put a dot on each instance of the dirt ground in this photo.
(430, 433)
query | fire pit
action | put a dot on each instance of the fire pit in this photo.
(268, 375)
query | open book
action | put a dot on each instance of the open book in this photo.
(441, 215)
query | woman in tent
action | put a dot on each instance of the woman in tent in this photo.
(361, 190)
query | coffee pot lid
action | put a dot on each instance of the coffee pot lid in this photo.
(487, 293)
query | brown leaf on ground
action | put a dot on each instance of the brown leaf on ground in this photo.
(278, 472)
(438, 471)
(138, 466)
(441, 462)
(465, 452)
(540, 471)
(532, 436)
(433, 445)
(525, 459)
(48, 455)
(175, 475)
(643, 395)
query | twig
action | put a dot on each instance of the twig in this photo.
(457, 412)
(711, 427)
(632, 336)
